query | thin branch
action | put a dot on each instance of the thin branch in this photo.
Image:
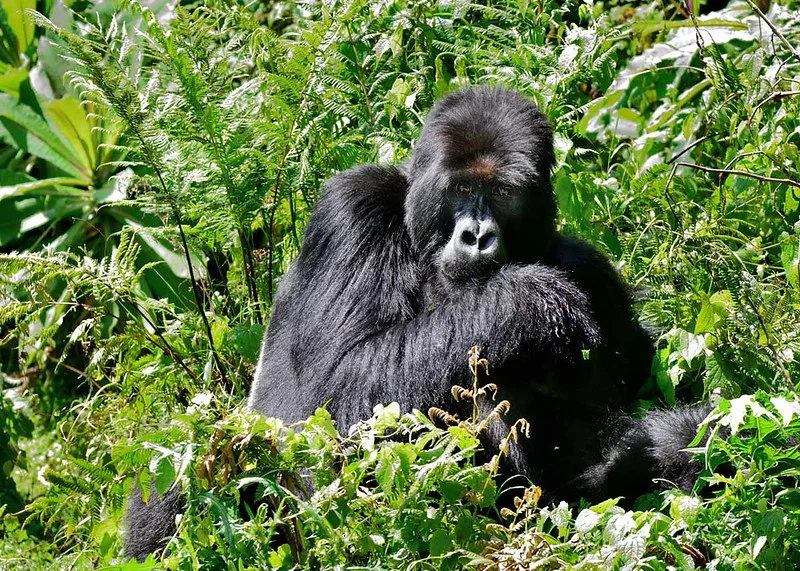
(758, 177)
(668, 196)
(60, 363)
(772, 97)
(775, 30)
(167, 347)
(687, 149)
(249, 270)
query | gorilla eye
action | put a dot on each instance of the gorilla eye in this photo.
(465, 190)
(504, 190)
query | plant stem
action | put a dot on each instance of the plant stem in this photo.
(176, 212)
(758, 177)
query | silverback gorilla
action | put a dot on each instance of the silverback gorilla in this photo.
(402, 270)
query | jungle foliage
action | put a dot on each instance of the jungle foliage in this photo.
(157, 166)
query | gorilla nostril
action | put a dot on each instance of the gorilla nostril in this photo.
(487, 241)
(468, 238)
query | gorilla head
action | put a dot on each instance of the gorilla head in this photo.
(480, 194)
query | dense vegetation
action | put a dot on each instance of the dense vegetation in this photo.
(157, 166)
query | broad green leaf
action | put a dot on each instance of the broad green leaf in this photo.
(597, 109)
(562, 146)
(587, 520)
(10, 178)
(714, 311)
(11, 79)
(772, 523)
(24, 129)
(440, 543)
(790, 260)
(281, 558)
(738, 412)
(13, 214)
(788, 409)
(720, 375)
(220, 330)
(25, 187)
(386, 470)
(386, 417)
(667, 113)
(396, 41)
(792, 201)
(685, 508)
(144, 485)
(666, 386)
(649, 27)
(31, 204)
(68, 118)
(21, 24)
(165, 475)
(688, 125)
(691, 346)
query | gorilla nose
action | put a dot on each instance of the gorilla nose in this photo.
(477, 238)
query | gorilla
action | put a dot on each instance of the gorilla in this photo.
(403, 269)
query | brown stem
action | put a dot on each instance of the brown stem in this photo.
(775, 30)
(759, 177)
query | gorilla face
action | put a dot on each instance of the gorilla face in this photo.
(480, 194)
(476, 248)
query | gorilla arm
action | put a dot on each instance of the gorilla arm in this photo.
(347, 326)
(650, 448)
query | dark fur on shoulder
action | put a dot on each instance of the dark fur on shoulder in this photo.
(402, 270)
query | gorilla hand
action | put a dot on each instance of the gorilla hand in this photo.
(536, 306)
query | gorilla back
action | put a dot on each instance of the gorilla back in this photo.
(402, 270)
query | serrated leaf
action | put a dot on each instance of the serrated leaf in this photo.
(685, 508)
(720, 375)
(738, 411)
(788, 409)
(773, 523)
(791, 201)
(247, 340)
(714, 311)
(441, 543)
(587, 520)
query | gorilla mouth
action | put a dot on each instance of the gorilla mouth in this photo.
(474, 272)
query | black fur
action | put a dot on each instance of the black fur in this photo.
(150, 524)
(402, 270)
